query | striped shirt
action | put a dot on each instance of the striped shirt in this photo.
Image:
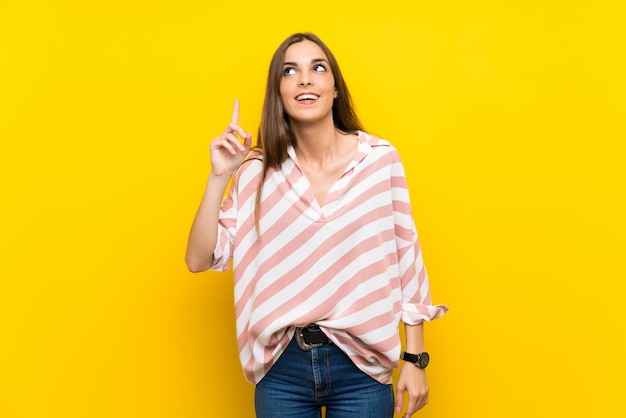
(353, 266)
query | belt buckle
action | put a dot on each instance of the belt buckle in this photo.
(303, 344)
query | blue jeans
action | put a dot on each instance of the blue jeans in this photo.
(302, 382)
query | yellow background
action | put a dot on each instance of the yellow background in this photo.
(509, 116)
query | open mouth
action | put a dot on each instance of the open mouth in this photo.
(307, 97)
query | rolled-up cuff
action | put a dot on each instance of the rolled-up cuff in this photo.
(221, 257)
(413, 314)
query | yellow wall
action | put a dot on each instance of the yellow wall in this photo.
(509, 117)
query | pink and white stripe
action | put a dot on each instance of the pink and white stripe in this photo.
(354, 265)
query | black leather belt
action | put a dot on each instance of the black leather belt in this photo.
(311, 337)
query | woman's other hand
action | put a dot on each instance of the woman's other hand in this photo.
(413, 381)
(227, 149)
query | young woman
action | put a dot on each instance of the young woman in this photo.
(325, 254)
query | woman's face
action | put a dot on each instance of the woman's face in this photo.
(307, 86)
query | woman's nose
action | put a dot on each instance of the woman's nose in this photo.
(305, 81)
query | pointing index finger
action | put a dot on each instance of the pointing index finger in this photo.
(235, 118)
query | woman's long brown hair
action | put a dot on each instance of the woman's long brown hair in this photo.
(275, 133)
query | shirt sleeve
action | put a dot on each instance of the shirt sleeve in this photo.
(241, 192)
(226, 231)
(417, 305)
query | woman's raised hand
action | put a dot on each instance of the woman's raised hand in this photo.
(227, 150)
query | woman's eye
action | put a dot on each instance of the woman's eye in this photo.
(319, 68)
(289, 71)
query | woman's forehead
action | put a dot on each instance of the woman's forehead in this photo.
(304, 51)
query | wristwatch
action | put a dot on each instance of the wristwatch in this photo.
(420, 360)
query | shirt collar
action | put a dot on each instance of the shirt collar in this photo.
(364, 147)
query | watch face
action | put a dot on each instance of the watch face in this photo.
(423, 360)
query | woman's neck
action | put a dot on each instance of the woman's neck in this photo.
(319, 143)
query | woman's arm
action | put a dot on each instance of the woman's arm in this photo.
(227, 153)
(203, 234)
(412, 379)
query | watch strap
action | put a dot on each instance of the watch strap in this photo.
(411, 358)
(420, 360)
